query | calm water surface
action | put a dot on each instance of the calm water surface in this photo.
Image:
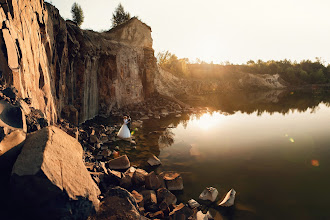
(274, 150)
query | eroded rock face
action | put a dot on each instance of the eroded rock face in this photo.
(50, 173)
(61, 67)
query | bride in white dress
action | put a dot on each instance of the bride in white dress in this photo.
(124, 132)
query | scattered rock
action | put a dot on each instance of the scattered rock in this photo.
(173, 180)
(119, 163)
(126, 181)
(201, 216)
(145, 117)
(229, 199)
(210, 193)
(119, 204)
(193, 203)
(181, 212)
(139, 177)
(149, 197)
(137, 196)
(152, 181)
(164, 195)
(154, 161)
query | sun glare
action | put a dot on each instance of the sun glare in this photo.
(208, 120)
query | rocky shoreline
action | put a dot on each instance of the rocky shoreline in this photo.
(146, 195)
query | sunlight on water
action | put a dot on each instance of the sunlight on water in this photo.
(208, 120)
(272, 159)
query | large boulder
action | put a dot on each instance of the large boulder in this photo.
(49, 178)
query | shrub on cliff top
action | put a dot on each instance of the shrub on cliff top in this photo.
(120, 16)
(77, 14)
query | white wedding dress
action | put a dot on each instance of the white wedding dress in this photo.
(124, 131)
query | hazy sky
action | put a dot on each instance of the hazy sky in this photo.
(223, 30)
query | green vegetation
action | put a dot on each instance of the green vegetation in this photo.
(305, 72)
(77, 14)
(120, 16)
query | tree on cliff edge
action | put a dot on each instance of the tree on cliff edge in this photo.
(120, 16)
(77, 14)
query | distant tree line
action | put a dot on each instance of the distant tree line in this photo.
(304, 72)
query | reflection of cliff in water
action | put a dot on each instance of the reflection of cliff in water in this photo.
(270, 101)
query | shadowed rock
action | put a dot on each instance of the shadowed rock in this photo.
(49, 178)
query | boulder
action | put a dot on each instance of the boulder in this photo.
(119, 163)
(139, 176)
(137, 196)
(150, 200)
(50, 173)
(193, 203)
(154, 161)
(164, 195)
(173, 180)
(210, 193)
(119, 204)
(126, 181)
(181, 212)
(152, 181)
(229, 199)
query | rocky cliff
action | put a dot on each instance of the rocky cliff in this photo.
(168, 84)
(66, 71)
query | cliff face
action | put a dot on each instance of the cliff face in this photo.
(72, 72)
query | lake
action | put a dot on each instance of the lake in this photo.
(272, 147)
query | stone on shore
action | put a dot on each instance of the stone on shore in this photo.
(210, 193)
(154, 161)
(193, 203)
(137, 196)
(150, 200)
(152, 181)
(139, 176)
(164, 195)
(119, 204)
(173, 180)
(229, 199)
(181, 212)
(50, 173)
(119, 163)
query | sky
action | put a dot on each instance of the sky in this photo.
(223, 30)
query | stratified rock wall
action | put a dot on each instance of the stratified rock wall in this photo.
(23, 60)
(71, 72)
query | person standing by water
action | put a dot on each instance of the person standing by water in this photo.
(124, 131)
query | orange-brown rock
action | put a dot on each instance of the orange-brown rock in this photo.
(72, 72)
(50, 173)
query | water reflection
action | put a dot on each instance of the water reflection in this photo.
(281, 101)
(166, 139)
(273, 148)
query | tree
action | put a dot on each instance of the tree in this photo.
(77, 14)
(120, 16)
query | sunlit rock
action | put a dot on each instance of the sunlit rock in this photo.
(201, 216)
(154, 161)
(193, 203)
(229, 199)
(210, 193)
(173, 180)
(50, 173)
(119, 163)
